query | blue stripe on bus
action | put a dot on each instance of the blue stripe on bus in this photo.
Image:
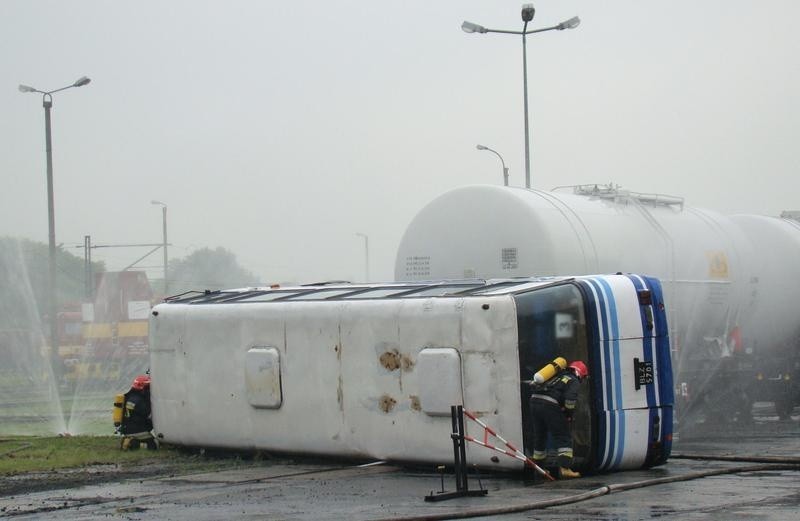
(608, 444)
(652, 414)
(608, 395)
(614, 323)
(661, 352)
(662, 344)
(648, 342)
(613, 400)
(600, 381)
(596, 361)
(665, 379)
(666, 430)
(606, 447)
(666, 395)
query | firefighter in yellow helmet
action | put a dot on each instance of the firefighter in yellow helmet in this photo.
(552, 404)
(137, 420)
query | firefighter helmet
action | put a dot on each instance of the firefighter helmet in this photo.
(580, 369)
(141, 382)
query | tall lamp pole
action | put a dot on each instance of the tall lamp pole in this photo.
(527, 15)
(164, 245)
(495, 152)
(366, 253)
(47, 103)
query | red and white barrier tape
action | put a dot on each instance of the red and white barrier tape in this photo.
(518, 454)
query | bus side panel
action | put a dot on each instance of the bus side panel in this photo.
(166, 356)
(197, 394)
(660, 437)
(627, 447)
(378, 378)
(349, 381)
(489, 350)
(627, 370)
(661, 427)
(642, 437)
(655, 316)
(623, 438)
(665, 379)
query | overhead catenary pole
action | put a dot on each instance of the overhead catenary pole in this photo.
(89, 246)
(52, 282)
(164, 243)
(88, 283)
(528, 12)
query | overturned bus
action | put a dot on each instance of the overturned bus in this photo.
(371, 370)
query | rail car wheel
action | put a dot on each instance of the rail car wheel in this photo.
(745, 412)
(726, 405)
(784, 407)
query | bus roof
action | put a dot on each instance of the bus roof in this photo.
(360, 291)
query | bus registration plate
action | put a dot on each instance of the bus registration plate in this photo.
(643, 372)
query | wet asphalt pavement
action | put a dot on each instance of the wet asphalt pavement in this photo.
(282, 490)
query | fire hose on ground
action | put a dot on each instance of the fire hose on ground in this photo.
(765, 463)
(597, 492)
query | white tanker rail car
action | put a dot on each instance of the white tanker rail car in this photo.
(730, 283)
(371, 371)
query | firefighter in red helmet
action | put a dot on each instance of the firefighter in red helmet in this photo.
(137, 421)
(552, 405)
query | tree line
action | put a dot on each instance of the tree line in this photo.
(24, 269)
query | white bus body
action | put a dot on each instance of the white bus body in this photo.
(370, 371)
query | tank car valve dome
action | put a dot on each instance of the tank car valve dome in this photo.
(141, 382)
(579, 368)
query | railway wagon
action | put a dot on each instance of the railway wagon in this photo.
(727, 280)
(371, 370)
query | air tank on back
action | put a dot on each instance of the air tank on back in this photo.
(720, 275)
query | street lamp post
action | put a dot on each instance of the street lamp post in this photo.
(164, 245)
(47, 103)
(527, 15)
(495, 152)
(366, 254)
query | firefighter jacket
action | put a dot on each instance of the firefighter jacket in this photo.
(136, 416)
(561, 390)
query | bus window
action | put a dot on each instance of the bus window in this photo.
(551, 323)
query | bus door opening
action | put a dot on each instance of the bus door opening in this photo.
(552, 323)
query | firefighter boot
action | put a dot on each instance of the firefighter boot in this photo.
(129, 443)
(566, 473)
(538, 457)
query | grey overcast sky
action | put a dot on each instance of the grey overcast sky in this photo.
(279, 130)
